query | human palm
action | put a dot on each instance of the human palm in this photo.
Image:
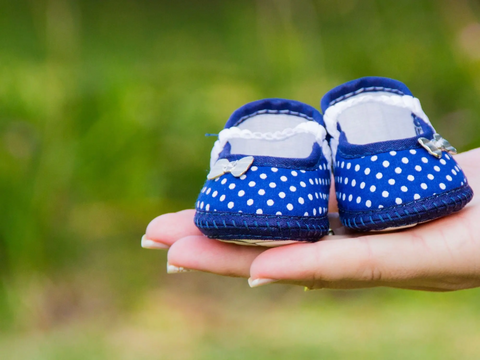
(441, 255)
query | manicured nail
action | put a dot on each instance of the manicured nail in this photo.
(172, 269)
(259, 282)
(150, 244)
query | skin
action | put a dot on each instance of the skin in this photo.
(441, 255)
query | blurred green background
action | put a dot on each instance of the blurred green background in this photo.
(103, 110)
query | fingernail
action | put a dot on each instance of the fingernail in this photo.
(172, 269)
(259, 282)
(150, 244)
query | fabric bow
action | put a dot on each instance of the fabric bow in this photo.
(437, 145)
(236, 168)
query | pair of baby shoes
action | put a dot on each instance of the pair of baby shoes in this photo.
(271, 167)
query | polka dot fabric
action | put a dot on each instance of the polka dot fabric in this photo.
(275, 199)
(394, 183)
(396, 189)
(394, 178)
(269, 191)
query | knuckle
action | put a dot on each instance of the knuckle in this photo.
(372, 273)
(370, 270)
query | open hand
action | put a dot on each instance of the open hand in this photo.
(441, 255)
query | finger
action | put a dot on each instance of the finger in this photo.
(168, 228)
(469, 161)
(204, 254)
(326, 264)
(418, 257)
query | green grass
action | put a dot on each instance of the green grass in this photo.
(103, 107)
(176, 322)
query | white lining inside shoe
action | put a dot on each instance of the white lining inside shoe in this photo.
(297, 146)
(373, 121)
(334, 113)
(275, 135)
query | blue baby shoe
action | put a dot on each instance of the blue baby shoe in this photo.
(269, 179)
(391, 168)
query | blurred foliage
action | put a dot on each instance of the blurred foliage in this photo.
(103, 107)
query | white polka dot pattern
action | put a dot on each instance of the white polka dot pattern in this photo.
(394, 178)
(270, 191)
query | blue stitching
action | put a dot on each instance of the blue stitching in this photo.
(264, 237)
(261, 229)
(449, 205)
(416, 210)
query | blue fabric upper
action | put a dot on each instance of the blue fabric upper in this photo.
(390, 174)
(271, 186)
(269, 190)
(393, 178)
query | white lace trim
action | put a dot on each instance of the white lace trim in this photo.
(331, 114)
(309, 127)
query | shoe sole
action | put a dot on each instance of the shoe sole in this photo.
(264, 243)
(408, 214)
(261, 230)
